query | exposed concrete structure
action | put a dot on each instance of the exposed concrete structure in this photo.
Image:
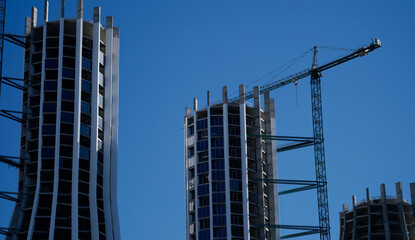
(383, 218)
(225, 164)
(68, 182)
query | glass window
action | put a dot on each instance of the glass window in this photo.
(218, 198)
(48, 130)
(234, 152)
(68, 72)
(86, 64)
(201, 124)
(219, 232)
(51, 85)
(218, 187)
(217, 131)
(84, 152)
(49, 107)
(68, 84)
(217, 153)
(68, 95)
(204, 235)
(86, 86)
(237, 231)
(203, 189)
(85, 130)
(218, 175)
(85, 108)
(219, 209)
(48, 152)
(216, 121)
(203, 212)
(217, 142)
(235, 185)
(218, 164)
(203, 167)
(51, 63)
(202, 145)
(219, 221)
(100, 169)
(67, 117)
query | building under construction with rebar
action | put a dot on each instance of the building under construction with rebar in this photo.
(225, 164)
(380, 218)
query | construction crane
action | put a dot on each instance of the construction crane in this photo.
(318, 137)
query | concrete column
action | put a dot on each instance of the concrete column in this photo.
(34, 18)
(341, 221)
(114, 131)
(196, 158)
(186, 169)
(210, 171)
(187, 112)
(80, 9)
(354, 217)
(369, 217)
(46, 12)
(258, 154)
(272, 167)
(62, 8)
(343, 230)
(94, 125)
(39, 157)
(226, 160)
(28, 26)
(401, 211)
(224, 94)
(107, 128)
(58, 129)
(195, 104)
(244, 160)
(385, 212)
(77, 120)
(412, 188)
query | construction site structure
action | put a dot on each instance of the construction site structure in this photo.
(380, 218)
(67, 185)
(223, 162)
(317, 140)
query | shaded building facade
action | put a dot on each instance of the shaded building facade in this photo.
(226, 163)
(384, 217)
(68, 182)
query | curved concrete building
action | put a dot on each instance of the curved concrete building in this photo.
(226, 163)
(382, 218)
(70, 136)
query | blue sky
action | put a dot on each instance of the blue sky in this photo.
(173, 51)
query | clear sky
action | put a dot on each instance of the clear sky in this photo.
(173, 51)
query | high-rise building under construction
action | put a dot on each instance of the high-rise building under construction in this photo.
(226, 163)
(68, 181)
(376, 218)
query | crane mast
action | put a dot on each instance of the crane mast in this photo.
(319, 155)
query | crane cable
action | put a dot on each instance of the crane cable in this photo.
(286, 65)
